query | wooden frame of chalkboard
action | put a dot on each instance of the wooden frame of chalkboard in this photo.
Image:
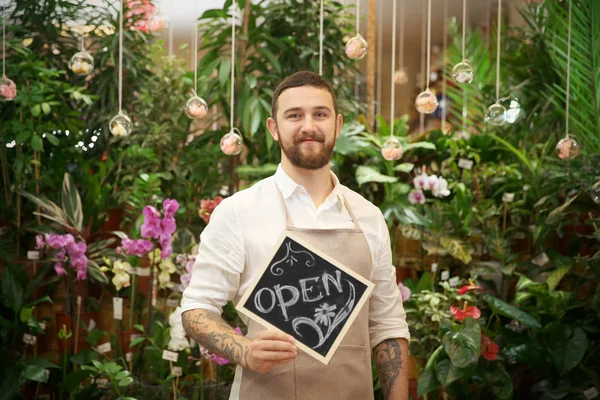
(365, 287)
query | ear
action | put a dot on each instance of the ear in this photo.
(339, 122)
(272, 126)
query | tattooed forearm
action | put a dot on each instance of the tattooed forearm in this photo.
(209, 329)
(389, 361)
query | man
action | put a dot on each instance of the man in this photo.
(305, 197)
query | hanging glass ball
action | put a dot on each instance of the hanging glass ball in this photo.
(567, 148)
(513, 111)
(392, 149)
(426, 102)
(595, 192)
(356, 47)
(120, 125)
(495, 114)
(463, 72)
(400, 77)
(158, 22)
(232, 143)
(196, 108)
(8, 89)
(82, 63)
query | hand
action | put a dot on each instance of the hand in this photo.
(270, 348)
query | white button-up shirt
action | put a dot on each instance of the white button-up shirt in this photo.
(244, 228)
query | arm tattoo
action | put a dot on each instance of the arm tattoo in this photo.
(388, 359)
(209, 329)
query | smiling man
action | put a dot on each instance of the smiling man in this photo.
(306, 198)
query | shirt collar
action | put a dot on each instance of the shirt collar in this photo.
(288, 186)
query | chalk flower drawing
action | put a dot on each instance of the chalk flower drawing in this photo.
(324, 313)
(290, 259)
(338, 319)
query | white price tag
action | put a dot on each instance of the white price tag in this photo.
(104, 348)
(508, 197)
(434, 267)
(173, 303)
(169, 355)
(465, 163)
(47, 372)
(29, 339)
(43, 325)
(134, 336)
(453, 281)
(129, 356)
(91, 325)
(142, 271)
(445, 275)
(101, 382)
(591, 393)
(541, 259)
(176, 371)
(118, 307)
(33, 255)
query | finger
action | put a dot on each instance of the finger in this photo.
(274, 345)
(262, 356)
(273, 334)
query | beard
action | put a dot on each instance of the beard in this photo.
(304, 156)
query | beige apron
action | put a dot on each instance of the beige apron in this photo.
(348, 375)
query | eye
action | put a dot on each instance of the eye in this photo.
(294, 116)
(321, 114)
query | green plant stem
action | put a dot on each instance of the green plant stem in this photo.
(490, 320)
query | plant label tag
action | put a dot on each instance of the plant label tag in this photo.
(173, 303)
(508, 197)
(142, 271)
(91, 325)
(591, 393)
(29, 339)
(104, 348)
(118, 307)
(541, 259)
(465, 163)
(47, 372)
(42, 325)
(445, 275)
(170, 355)
(129, 356)
(33, 255)
(434, 267)
(176, 371)
(453, 281)
(101, 382)
(134, 336)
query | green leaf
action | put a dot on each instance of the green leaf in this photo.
(12, 289)
(74, 379)
(26, 312)
(35, 373)
(265, 52)
(52, 139)
(40, 300)
(40, 362)
(446, 372)
(427, 382)
(569, 351)
(366, 174)
(224, 72)
(36, 143)
(46, 108)
(508, 310)
(425, 283)
(23, 136)
(251, 80)
(555, 215)
(85, 356)
(499, 380)
(136, 341)
(126, 381)
(419, 145)
(71, 202)
(404, 167)
(556, 276)
(458, 249)
(463, 346)
(36, 110)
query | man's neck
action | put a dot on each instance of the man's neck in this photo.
(317, 182)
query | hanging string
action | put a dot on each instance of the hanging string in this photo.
(379, 53)
(401, 45)
(195, 55)
(488, 28)
(464, 30)
(444, 55)
(428, 41)
(464, 111)
(498, 44)
(4, 41)
(568, 71)
(233, 10)
(357, 16)
(321, 40)
(393, 100)
(82, 42)
(423, 22)
(121, 57)
(170, 40)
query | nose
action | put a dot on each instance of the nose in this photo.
(309, 124)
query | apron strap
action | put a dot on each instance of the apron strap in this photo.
(288, 218)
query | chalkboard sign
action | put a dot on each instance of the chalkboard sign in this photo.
(308, 295)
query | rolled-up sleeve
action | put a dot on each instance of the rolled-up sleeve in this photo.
(387, 318)
(219, 262)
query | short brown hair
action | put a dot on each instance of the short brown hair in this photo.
(298, 79)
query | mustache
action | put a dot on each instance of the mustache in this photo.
(316, 137)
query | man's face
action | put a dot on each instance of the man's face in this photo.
(306, 126)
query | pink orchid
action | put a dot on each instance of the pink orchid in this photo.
(404, 291)
(60, 270)
(168, 226)
(39, 242)
(421, 182)
(151, 226)
(139, 247)
(416, 196)
(58, 241)
(432, 181)
(185, 281)
(61, 255)
(170, 207)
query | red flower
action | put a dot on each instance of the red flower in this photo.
(466, 288)
(207, 207)
(488, 349)
(468, 311)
